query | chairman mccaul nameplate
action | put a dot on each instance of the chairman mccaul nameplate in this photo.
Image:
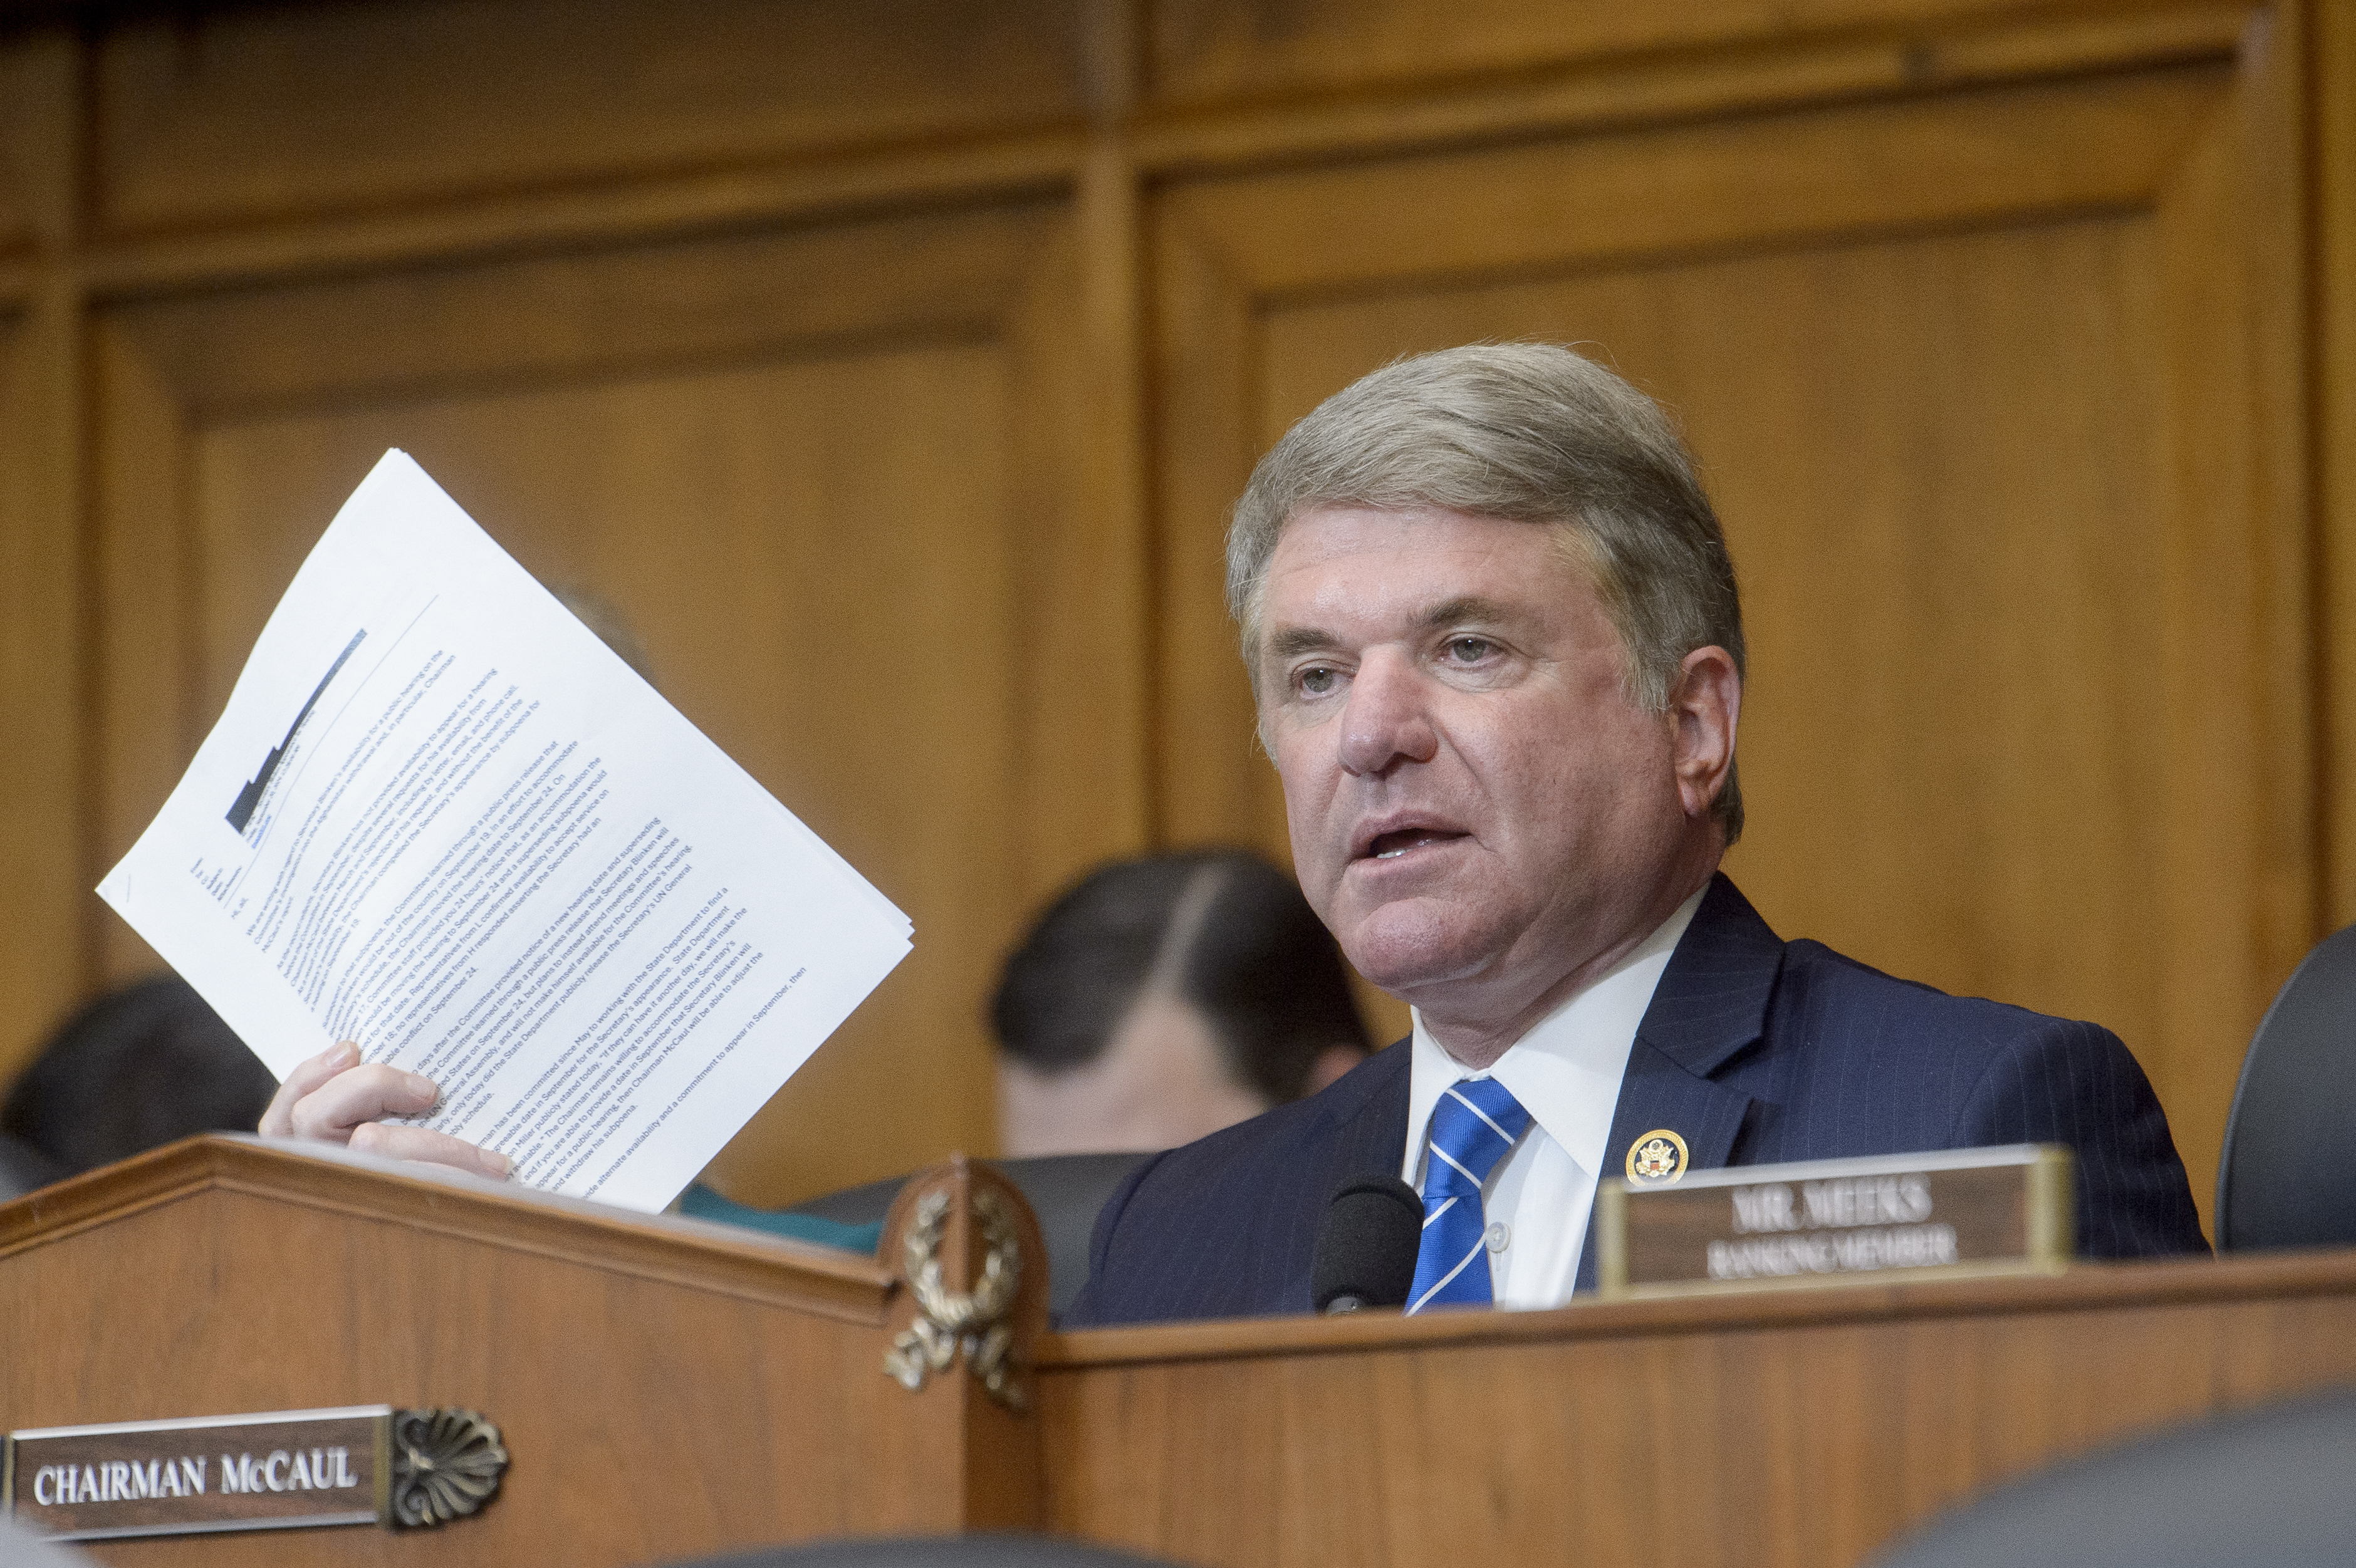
(1984, 1210)
(280, 1469)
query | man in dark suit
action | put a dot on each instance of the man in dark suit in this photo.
(1496, 646)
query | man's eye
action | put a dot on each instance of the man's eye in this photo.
(1470, 650)
(1316, 680)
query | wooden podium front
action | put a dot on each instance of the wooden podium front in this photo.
(667, 1387)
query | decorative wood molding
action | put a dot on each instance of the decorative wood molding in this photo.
(726, 1260)
(1866, 170)
(221, 116)
(686, 205)
(1665, 87)
(1233, 52)
(2241, 1277)
(968, 1312)
(545, 317)
(964, 1291)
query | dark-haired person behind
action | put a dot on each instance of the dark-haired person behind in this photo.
(1155, 1001)
(1159, 999)
(135, 1070)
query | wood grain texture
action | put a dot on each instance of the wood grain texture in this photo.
(45, 609)
(1943, 448)
(1806, 1428)
(2331, 99)
(2240, 872)
(608, 1349)
(41, 861)
(224, 114)
(29, 120)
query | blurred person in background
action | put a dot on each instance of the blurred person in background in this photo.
(137, 1069)
(1159, 999)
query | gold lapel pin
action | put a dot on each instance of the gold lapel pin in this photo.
(1657, 1158)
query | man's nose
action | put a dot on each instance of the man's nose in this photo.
(1385, 722)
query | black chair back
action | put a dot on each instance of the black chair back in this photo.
(24, 1167)
(2268, 1487)
(2287, 1176)
(1064, 1190)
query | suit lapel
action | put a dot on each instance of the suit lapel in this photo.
(1371, 1135)
(1712, 1002)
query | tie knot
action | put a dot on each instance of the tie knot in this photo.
(1475, 1122)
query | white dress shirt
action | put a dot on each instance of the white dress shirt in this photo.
(1565, 1072)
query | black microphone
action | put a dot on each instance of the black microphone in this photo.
(1366, 1252)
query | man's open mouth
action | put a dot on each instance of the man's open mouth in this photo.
(1391, 845)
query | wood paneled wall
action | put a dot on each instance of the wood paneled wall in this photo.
(891, 367)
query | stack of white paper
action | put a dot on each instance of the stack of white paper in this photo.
(441, 818)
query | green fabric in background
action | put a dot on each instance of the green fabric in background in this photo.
(702, 1202)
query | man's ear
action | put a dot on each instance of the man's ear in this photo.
(1704, 709)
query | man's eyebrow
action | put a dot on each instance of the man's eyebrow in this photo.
(1295, 640)
(1466, 609)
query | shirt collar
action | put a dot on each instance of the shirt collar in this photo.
(1566, 1070)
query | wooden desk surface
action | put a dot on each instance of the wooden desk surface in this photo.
(1802, 1427)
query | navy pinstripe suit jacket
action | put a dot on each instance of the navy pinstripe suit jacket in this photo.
(1755, 1050)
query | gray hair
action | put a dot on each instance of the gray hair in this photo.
(1532, 432)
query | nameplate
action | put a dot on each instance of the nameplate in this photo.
(1988, 1211)
(276, 1470)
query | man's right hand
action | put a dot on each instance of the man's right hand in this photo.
(335, 1097)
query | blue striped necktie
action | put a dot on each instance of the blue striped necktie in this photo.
(1474, 1123)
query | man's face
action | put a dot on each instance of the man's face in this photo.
(1477, 809)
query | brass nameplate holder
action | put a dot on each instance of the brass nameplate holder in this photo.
(1963, 1211)
(277, 1470)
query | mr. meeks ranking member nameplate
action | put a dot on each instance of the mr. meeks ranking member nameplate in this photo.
(278, 1470)
(439, 817)
(1986, 1210)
